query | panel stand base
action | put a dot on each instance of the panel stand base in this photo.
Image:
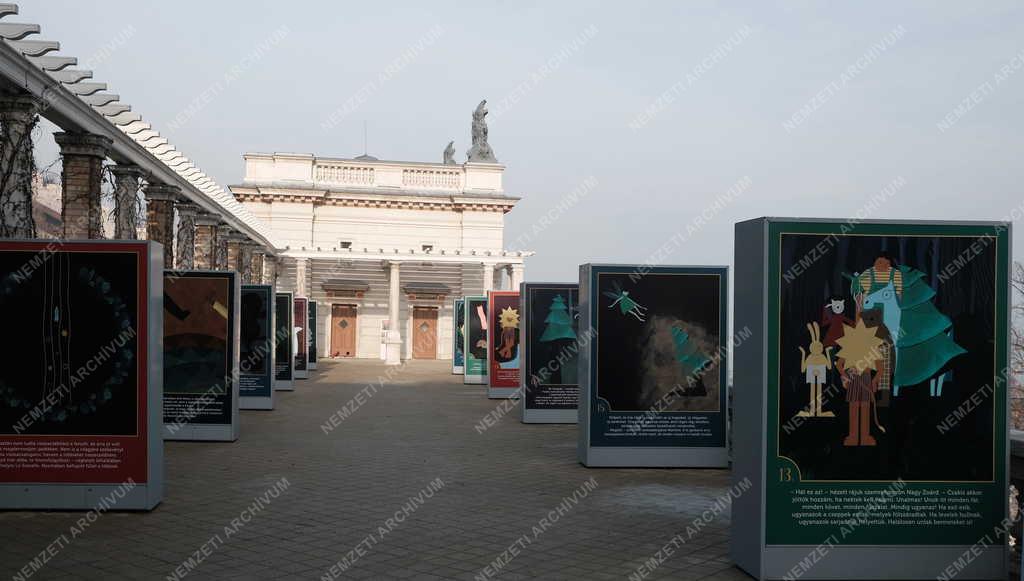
(884, 562)
(503, 392)
(201, 432)
(255, 403)
(549, 416)
(654, 457)
(78, 496)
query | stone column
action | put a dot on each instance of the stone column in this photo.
(394, 335)
(245, 249)
(186, 235)
(160, 200)
(488, 277)
(206, 240)
(126, 201)
(301, 268)
(220, 253)
(515, 275)
(17, 119)
(82, 155)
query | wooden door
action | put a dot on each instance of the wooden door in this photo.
(343, 331)
(424, 333)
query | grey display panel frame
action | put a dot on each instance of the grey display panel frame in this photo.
(215, 432)
(285, 384)
(256, 402)
(312, 344)
(458, 308)
(748, 547)
(471, 378)
(304, 372)
(530, 415)
(640, 456)
(501, 391)
(67, 496)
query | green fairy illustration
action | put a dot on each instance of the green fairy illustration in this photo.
(627, 306)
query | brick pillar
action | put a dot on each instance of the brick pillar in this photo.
(256, 273)
(186, 235)
(245, 249)
(270, 271)
(220, 255)
(206, 240)
(234, 252)
(160, 217)
(83, 155)
(126, 201)
(17, 119)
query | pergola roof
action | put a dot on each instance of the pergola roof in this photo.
(75, 103)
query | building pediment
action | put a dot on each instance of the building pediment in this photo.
(345, 288)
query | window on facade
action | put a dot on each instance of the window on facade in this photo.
(427, 247)
(345, 244)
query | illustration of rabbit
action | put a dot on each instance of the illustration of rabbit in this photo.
(814, 368)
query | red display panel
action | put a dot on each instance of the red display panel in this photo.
(73, 381)
(503, 338)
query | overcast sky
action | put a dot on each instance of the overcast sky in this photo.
(654, 113)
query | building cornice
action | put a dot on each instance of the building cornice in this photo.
(444, 255)
(306, 194)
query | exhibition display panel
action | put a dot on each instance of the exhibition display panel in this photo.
(870, 398)
(653, 374)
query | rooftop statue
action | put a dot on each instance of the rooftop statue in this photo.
(481, 150)
(449, 154)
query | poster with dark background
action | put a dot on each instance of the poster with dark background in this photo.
(476, 336)
(198, 347)
(311, 327)
(504, 356)
(72, 350)
(284, 334)
(886, 356)
(659, 371)
(952, 355)
(300, 322)
(255, 375)
(551, 332)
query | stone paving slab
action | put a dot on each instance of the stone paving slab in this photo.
(494, 490)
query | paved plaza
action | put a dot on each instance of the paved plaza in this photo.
(405, 487)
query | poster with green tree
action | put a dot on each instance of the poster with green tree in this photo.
(550, 339)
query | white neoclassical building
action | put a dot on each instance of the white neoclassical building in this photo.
(383, 246)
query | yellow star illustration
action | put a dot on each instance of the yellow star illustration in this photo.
(859, 346)
(509, 318)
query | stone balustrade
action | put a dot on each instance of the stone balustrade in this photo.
(372, 174)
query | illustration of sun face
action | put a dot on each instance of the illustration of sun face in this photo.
(509, 318)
